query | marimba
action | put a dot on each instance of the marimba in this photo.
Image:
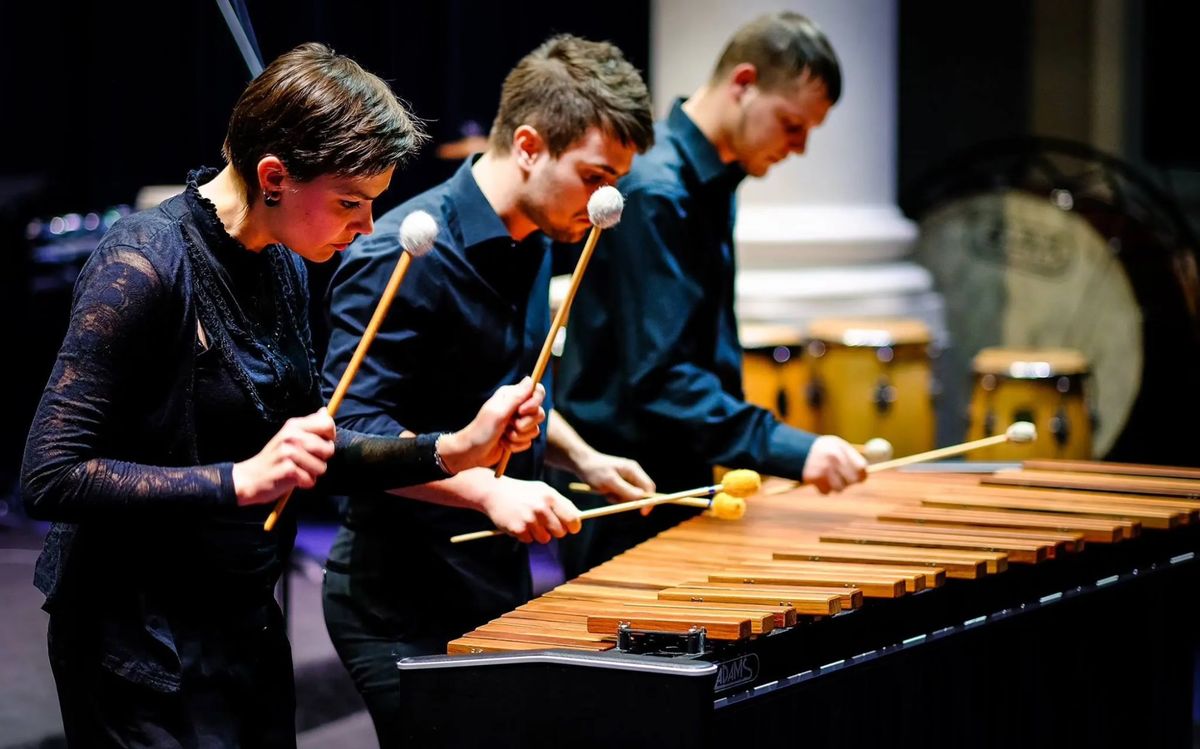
(1042, 605)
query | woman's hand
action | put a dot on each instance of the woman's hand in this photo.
(294, 458)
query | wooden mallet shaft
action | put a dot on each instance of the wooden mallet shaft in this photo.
(938, 454)
(360, 352)
(560, 319)
(1018, 432)
(637, 504)
(418, 232)
(704, 504)
(604, 211)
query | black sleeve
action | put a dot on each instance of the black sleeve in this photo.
(68, 472)
(367, 462)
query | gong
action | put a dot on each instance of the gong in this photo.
(1040, 243)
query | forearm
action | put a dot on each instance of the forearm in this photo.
(565, 449)
(75, 492)
(366, 462)
(469, 490)
(527, 510)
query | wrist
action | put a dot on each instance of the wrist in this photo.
(238, 481)
(484, 494)
(241, 492)
(447, 451)
(582, 459)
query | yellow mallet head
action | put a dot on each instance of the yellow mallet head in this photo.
(741, 482)
(727, 507)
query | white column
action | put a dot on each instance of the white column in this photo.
(821, 235)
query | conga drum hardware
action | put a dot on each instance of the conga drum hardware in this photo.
(1060, 427)
(775, 371)
(872, 377)
(885, 394)
(1042, 386)
(814, 395)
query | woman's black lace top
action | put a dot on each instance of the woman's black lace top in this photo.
(132, 446)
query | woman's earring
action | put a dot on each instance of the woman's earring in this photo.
(270, 199)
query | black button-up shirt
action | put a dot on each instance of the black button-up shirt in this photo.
(469, 317)
(652, 365)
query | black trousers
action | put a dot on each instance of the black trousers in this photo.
(370, 651)
(236, 689)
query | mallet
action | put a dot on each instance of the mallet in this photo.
(721, 505)
(417, 234)
(737, 484)
(604, 210)
(1019, 432)
(876, 450)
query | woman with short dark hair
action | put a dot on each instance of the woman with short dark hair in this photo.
(185, 400)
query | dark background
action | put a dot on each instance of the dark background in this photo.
(95, 109)
(100, 99)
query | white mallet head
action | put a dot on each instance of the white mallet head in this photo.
(417, 233)
(877, 450)
(1021, 431)
(605, 206)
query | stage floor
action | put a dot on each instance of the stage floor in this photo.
(329, 710)
(327, 704)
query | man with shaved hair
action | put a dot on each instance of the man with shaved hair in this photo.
(652, 364)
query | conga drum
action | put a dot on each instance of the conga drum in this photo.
(1042, 386)
(872, 378)
(774, 372)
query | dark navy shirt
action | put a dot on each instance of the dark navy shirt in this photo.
(470, 317)
(652, 365)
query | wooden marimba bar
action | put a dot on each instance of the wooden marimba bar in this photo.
(1045, 606)
(798, 556)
